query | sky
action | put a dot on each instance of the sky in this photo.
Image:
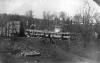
(38, 6)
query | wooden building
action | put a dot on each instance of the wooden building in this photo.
(10, 27)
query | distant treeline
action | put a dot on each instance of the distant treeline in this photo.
(34, 23)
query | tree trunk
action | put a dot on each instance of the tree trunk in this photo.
(86, 38)
(98, 36)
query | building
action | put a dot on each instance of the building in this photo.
(10, 27)
(58, 29)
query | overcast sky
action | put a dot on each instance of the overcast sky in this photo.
(38, 6)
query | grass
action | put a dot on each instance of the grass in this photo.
(49, 52)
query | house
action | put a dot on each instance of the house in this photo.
(58, 29)
(10, 27)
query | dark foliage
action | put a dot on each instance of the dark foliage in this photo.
(97, 1)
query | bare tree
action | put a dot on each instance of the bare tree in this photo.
(63, 16)
(30, 16)
(85, 18)
(97, 24)
(29, 13)
(66, 22)
(47, 20)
